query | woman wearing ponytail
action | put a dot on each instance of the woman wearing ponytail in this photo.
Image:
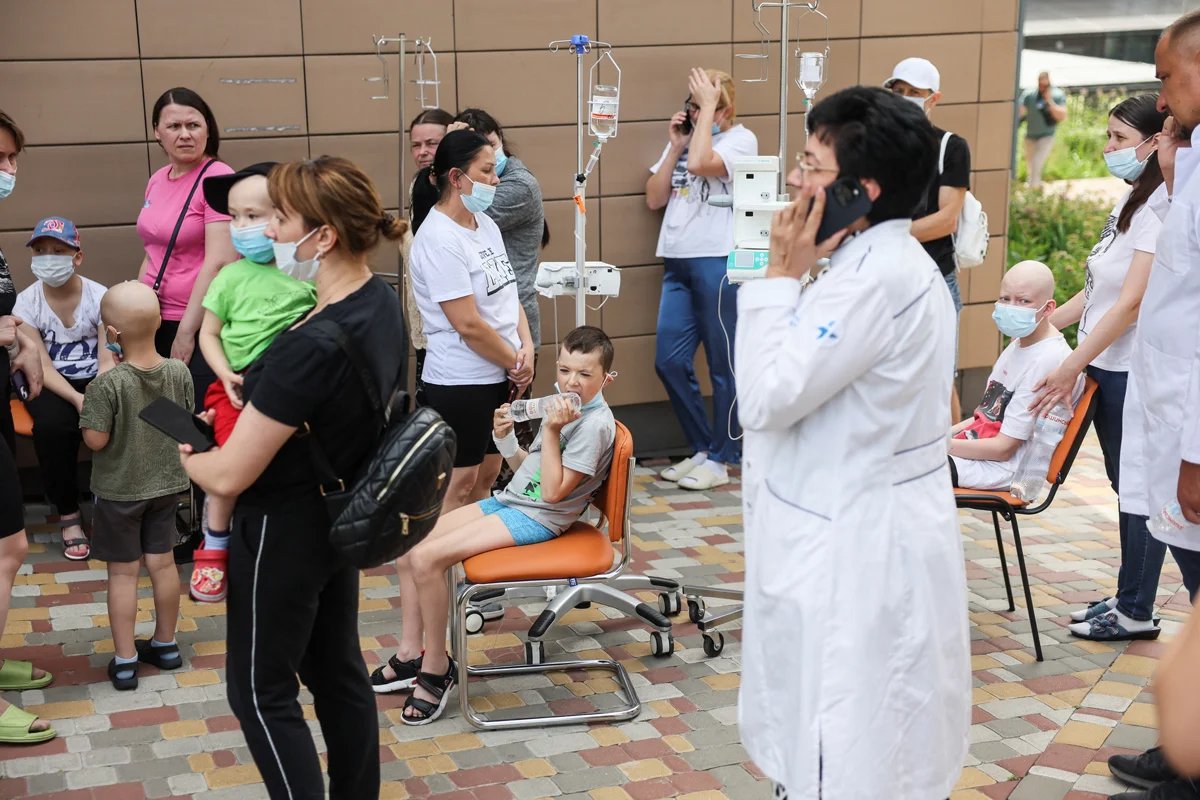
(1107, 311)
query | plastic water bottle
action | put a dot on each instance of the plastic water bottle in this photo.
(1169, 520)
(524, 410)
(1030, 480)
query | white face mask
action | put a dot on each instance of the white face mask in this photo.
(53, 270)
(285, 259)
(919, 102)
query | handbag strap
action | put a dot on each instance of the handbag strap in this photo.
(330, 482)
(179, 224)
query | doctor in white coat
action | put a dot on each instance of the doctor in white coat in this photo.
(856, 657)
(1160, 445)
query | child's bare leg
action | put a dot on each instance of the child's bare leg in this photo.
(164, 577)
(218, 511)
(488, 471)
(122, 605)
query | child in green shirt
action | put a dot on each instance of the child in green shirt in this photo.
(248, 304)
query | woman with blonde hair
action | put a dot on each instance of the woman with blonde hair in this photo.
(293, 603)
(694, 244)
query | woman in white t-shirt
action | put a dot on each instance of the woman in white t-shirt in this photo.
(64, 308)
(478, 346)
(1107, 311)
(694, 244)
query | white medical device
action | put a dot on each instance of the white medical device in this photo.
(754, 202)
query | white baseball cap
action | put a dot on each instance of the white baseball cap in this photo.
(916, 72)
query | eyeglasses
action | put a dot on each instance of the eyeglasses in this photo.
(689, 106)
(805, 167)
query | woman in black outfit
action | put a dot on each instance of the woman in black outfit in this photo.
(293, 604)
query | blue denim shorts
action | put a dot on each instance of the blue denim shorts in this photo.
(524, 530)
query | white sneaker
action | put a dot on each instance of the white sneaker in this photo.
(706, 476)
(677, 471)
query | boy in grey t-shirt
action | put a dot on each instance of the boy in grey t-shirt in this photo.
(551, 486)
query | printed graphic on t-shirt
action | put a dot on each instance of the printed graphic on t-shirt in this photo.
(533, 489)
(689, 187)
(497, 269)
(6, 283)
(989, 414)
(74, 359)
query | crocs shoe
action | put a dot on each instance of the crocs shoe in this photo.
(678, 470)
(208, 576)
(706, 476)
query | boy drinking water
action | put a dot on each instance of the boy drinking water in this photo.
(248, 304)
(551, 487)
(986, 449)
(136, 478)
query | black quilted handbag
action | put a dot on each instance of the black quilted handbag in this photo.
(397, 496)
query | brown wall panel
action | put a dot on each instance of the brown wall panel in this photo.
(340, 98)
(956, 57)
(560, 216)
(549, 153)
(527, 25)
(660, 75)
(630, 231)
(377, 155)
(1000, 15)
(250, 97)
(634, 22)
(766, 128)
(230, 28)
(991, 188)
(991, 148)
(845, 17)
(998, 67)
(635, 312)
(96, 29)
(73, 102)
(89, 184)
(629, 156)
(346, 26)
(638, 382)
(889, 18)
(978, 339)
(566, 322)
(239, 153)
(506, 82)
(963, 120)
(984, 281)
(841, 70)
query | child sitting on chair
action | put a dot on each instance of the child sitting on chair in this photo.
(551, 487)
(986, 449)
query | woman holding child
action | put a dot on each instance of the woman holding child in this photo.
(1107, 311)
(292, 604)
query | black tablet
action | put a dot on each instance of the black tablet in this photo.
(180, 424)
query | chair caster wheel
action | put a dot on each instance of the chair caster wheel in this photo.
(473, 621)
(535, 652)
(661, 644)
(714, 643)
(584, 604)
(695, 609)
(668, 603)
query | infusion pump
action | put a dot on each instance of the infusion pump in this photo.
(754, 202)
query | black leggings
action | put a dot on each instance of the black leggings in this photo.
(293, 612)
(12, 513)
(202, 374)
(56, 439)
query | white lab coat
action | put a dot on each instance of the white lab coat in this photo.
(856, 681)
(1161, 423)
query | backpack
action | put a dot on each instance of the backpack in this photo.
(971, 238)
(397, 495)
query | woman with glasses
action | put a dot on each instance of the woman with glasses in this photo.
(694, 244)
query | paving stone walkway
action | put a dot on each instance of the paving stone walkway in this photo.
(1040, 732)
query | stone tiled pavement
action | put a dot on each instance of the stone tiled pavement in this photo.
(1040, 732)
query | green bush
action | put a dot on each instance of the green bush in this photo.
(1057, 231)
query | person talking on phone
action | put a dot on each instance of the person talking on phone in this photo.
(694, 244)
(844, 387)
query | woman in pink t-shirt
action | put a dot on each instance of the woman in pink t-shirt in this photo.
(187, 131)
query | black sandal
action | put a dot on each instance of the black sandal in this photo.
(406, 675)
(437, 685)
(123, 676)
(164, 657)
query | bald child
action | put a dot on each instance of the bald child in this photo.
(985, 449)
(136, 478)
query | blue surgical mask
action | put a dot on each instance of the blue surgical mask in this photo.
(481, 196)
(716, 129)
(7, 182)
(501, 160)
(1016, 321)
(1124, 163)
(252, 243)
(111, 346)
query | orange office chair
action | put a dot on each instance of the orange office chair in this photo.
(1003, 504)
(584, 557)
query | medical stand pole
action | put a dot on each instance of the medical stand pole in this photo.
(579, 44)
(781, 188)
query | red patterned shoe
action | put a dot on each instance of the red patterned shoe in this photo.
(208, 575)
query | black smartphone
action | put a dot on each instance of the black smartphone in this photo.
(180, 424)
(846, 202)
(686, 125)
